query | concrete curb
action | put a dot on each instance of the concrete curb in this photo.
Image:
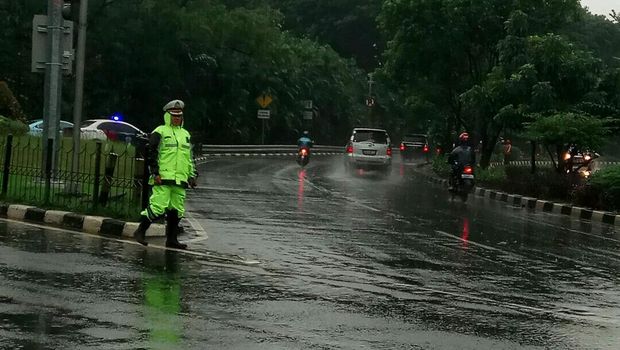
(97, 225)
(263, 154)
(539, 205)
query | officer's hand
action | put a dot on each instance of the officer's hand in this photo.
(157, 179)
(192, 182)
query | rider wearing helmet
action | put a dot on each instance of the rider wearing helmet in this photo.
(463, 154)
(304, 140)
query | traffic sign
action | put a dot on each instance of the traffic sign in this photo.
(264, 100)
(39, 52)
(263, 114)
(308, 115)
(307, 104)
(370, 101)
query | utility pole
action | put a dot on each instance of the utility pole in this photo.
(79, 86)
(53, 80)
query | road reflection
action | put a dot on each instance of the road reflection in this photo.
(300, 189)
(162, 299)
(465, 233)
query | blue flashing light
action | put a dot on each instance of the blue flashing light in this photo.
(116, 117)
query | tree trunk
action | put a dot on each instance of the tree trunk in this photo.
(533, 157)
(487, 152)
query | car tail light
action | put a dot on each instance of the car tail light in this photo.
(425, 149)
(389, 151)
(349, 149)
(402, 146)
(468, 170)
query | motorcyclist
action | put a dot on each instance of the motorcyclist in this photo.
(305, 141)
(462, 155)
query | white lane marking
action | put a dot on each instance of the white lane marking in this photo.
(349, 199)
(241, 260)
(200, 231)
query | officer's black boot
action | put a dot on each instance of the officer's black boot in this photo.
(139, 234)
(172, 230)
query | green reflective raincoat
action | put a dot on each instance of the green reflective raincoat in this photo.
(171, 154)
(170, 157)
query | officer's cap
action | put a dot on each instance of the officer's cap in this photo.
(174, 107)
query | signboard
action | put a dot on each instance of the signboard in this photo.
(39, 45)
(264, 100)
(370, 101)
(308, 115)
(263, 114)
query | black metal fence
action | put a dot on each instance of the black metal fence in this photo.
(109, 178)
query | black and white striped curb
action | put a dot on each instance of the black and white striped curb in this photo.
(285, 154)
(546, 163)
(540, 205)
(90, 224)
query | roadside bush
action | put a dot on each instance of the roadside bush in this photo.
(545, 183)
(10, 126)
(602, 190)
(493, 177)
(440, 166)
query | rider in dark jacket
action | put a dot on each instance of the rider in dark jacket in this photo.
(463, 154)
(305, 140)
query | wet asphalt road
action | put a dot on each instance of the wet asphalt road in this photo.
(345, 262)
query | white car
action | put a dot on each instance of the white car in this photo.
(114, 130)
(36, 129)
(369, 148)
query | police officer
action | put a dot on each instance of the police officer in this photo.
(172, 171)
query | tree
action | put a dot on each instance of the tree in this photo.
(448, 52)
(560, 130)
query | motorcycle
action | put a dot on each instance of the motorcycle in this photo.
(303, 156)
(463, 183)
(580, 162)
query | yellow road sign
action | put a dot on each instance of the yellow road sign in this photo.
(264, 100)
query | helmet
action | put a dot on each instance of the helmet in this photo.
(175, 107)
(306, 133)
(464, 137)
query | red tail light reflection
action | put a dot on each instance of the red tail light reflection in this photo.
(465, 233)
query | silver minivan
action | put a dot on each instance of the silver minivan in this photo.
(368, 148)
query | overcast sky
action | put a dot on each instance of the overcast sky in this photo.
(601, 7)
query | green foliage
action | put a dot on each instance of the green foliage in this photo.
(602, 191)
(492, 176)
(348, 26)
(568, 128)
(545, 183)
(217, 59)
(10, 126)
(498, 65)
(607, 181)
(440, 166)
